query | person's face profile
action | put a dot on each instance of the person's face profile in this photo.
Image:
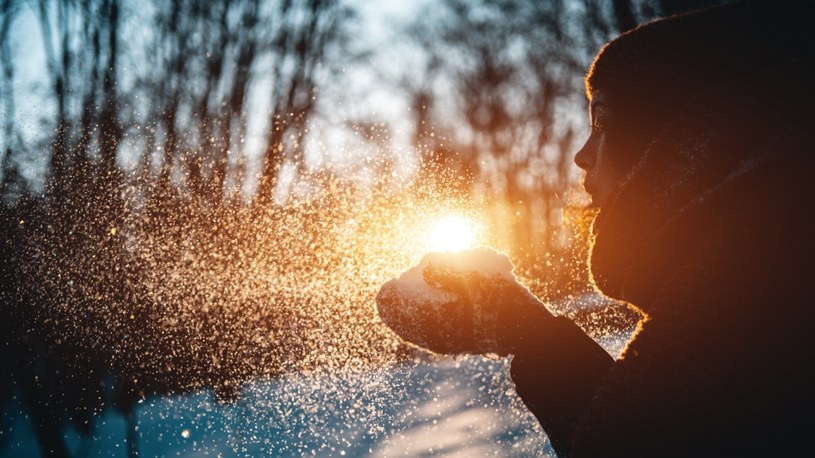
(601, 176)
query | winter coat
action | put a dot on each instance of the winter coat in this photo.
(711, 236)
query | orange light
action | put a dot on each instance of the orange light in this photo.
(452, 233)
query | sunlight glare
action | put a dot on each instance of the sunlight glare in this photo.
(452, 233)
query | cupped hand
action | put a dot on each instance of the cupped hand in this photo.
(454, 308)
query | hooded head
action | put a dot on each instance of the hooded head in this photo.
(647, 74)
(691, 98)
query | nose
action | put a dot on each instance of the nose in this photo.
(585, 156)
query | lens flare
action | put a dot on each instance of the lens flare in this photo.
(452, 233)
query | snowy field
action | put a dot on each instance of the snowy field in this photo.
(461, 407)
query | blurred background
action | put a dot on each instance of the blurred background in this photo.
(200, 193)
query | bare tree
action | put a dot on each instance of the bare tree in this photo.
(513, 67)
(8, 10)
(53, 18)
(206, 66)
(301, 39)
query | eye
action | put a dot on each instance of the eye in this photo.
(598, 122)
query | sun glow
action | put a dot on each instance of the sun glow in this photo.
(452, 233)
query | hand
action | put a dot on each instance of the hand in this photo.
(460, 310)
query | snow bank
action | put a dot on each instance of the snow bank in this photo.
(449, 407)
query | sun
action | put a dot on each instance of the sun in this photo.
(452, 233)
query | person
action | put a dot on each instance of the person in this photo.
(700, 159)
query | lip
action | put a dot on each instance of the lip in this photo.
(588, 186)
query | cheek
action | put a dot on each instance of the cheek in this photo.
(605, 170)
(602, 159)
(624, 150)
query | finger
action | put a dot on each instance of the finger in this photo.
(455, 281)
(441, 277)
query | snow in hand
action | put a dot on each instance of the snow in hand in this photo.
(411, 290)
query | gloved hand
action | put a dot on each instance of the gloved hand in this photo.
(450, 303)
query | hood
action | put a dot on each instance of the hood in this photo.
(717, 146)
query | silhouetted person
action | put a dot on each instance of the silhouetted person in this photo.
(700, 160)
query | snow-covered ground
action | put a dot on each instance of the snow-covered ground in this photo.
(463, 407)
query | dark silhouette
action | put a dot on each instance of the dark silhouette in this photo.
(700, 161)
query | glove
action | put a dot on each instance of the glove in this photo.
(463, 302)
